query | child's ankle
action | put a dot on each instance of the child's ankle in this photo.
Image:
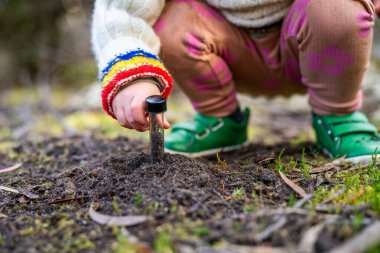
(237, 115)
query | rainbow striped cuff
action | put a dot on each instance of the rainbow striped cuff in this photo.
(128, 67)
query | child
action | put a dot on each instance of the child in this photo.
(215, 48)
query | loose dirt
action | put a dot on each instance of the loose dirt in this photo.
(237, 198)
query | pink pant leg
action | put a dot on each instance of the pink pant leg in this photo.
(323, 45)
(333, 42)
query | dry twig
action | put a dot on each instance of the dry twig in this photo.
(61, 201)
(127, 221)
(361, 242)
(302, 201)
(292, 185)
(12, 168)
(309, 239)
(270, 229)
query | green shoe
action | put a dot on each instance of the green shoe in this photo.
(207, 135)
(351, 135)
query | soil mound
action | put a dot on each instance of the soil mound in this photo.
(137, 184)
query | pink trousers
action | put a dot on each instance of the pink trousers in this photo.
(322, 48)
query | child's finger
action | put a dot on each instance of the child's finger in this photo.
(164, 124)
(121, 118)
(138, 112)
(130, 115)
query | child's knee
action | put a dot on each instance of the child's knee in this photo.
(171, 28)
(341, 20)
(179, 33)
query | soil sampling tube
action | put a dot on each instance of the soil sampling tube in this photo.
(156, 107)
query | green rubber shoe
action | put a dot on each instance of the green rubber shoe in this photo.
(207, 135)
(351, 135)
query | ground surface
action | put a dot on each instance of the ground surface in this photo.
(280, 194)
(194, 205)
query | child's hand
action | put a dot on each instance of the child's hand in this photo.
(129, 106)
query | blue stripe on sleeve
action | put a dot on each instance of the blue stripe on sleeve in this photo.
(125, 57)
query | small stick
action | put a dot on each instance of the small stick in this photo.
(292, 185)
(360, 243)
(12, 168)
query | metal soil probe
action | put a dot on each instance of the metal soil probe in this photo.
(156, 106)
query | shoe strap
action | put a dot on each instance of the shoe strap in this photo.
(352, 128)
(350, 118)
(190, 126)
(199, 125)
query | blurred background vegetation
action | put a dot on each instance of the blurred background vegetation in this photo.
(45, 41)
(48, 78)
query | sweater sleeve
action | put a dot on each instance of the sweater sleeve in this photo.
(126, 46)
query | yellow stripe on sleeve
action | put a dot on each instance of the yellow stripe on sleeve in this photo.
(126, 65)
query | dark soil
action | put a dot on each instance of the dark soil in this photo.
(237, 197)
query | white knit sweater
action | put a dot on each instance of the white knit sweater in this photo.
(126, 46)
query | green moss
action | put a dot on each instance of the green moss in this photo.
(82, 242)
(249, 208)
(355, 187)
(151, 208)
(123, 245)
(174, 208)
(279, 165)
(304, 167)
(46, 185)
(292, 200)
(116, 206)
(27, 231)
(201, 231)
(163, 243)
(238, 193)
(357, 221)
(139, 199)
(185, 229)
(374, 248)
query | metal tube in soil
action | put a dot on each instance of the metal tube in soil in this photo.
(156, 106)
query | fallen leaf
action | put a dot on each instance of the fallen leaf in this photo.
(325, 167)
(28, 194)
(24, 192)
(12, 168)
(2, 216)
(292, 185)
(127, 221)
(8, 189)
(22, 199)
(328, 176)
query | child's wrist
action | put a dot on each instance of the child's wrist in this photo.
(148, 80)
